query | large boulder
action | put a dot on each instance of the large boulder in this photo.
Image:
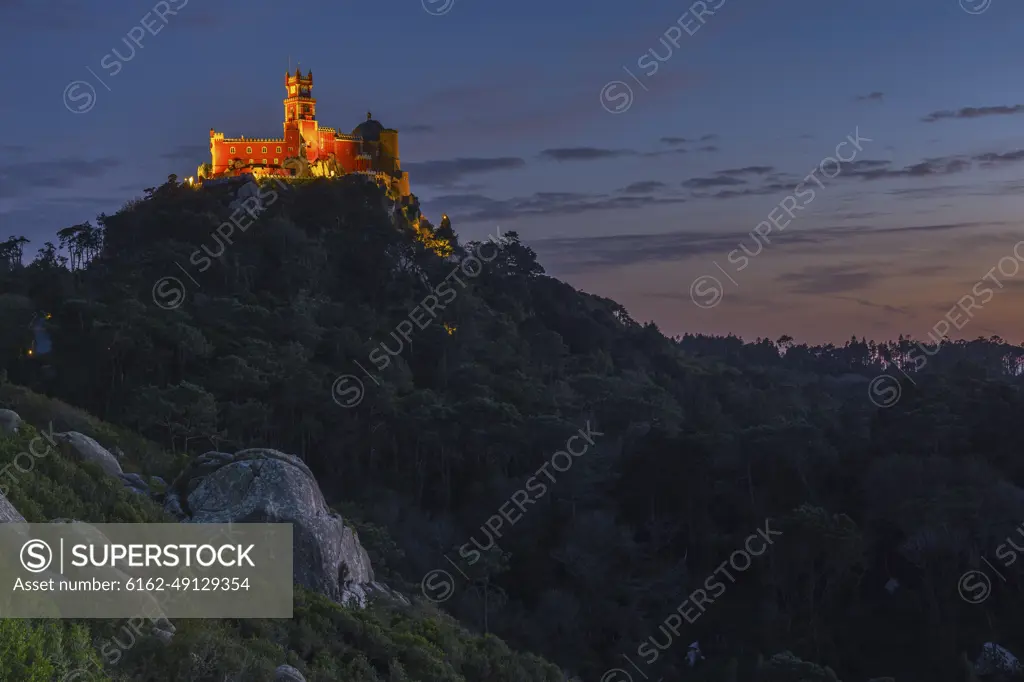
(995, 660)
(136, 484)
(8, 514)
(88, 450)
(10, 421)
(267, 486)
(286, 673)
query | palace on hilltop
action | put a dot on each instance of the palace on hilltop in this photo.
(308, 150)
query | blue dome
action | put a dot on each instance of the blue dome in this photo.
(369, 129)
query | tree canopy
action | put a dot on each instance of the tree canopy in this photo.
(882, 504)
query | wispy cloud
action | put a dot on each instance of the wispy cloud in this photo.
(748, 170)
(730, 177)
(598, 154)
(584, 153)
(817, 280)
(993, 159)
(772, 188)
(938, 166)
(481, 208)
(974, 112)
(871, 304)
(676, 151)
(644, 187)
(448, 172)
(712, 181)
(871, 97)
(20, 179)
(584, 253)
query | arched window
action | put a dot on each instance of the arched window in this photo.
(278, 150)
(264, 150)
(232, 150)
(248, 150)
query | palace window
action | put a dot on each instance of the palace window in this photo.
(291, 149)
(232, 150)
(264, 150)
(250, 162)
(276, 162)
(248, 150)
(278, 150)
(264, 162)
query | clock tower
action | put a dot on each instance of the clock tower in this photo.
(300, 123)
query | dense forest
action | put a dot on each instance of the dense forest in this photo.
(430, 385)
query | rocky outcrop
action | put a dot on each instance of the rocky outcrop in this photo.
(164, 636)
(246, 193)
(135, 483)
(154, 486)
(995, 660)
(10, 421)
(8, 514)
(81, 446)
(286, 673)
(86, 449)
(267, 486)
(785, 667)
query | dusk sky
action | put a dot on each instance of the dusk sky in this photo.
(509, 120)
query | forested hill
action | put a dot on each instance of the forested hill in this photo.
(430, 385)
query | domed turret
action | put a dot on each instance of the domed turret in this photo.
(369, 129)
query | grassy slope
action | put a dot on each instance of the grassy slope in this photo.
(325, 641)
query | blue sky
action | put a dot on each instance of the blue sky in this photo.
(503, 127)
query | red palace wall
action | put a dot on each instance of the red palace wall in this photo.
(345, 151)
(221, 152)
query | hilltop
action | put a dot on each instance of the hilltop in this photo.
(430, 385)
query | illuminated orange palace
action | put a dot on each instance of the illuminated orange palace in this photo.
(307, 150)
